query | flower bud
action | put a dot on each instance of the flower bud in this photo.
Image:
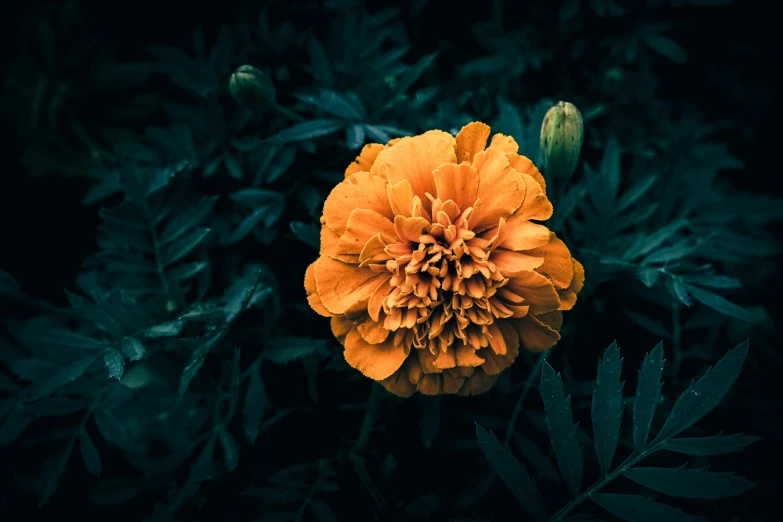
(252, 88)
(561, 140)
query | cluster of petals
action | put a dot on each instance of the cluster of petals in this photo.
(434, 266)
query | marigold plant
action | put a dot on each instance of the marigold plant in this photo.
(433, 266)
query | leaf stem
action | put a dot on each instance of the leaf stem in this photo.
(603, 481)
(535, 371)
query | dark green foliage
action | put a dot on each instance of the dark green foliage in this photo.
(181, 375)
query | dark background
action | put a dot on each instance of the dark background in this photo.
(46, 233)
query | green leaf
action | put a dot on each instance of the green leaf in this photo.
(322, 511)
(607, 406)
(92, 459)
(720, 303)
(233, 165)
(410, 77)
(244, 293)
(649, 275)
(306, 131)
(333, 103)
(230, 449)
(666, 47)
(114, 363)
(701, 397)
(113, 429)
(202, 468)
(648, 393)
(254, 406)
(354, 137)
(673, 253)
(133, 349)
(511, 472)
(633, 194)
(13, 426)
(61, 378)
(636, 508)
(52, 470)
(185, 221)
(183, 246)
(678, 290)
(56, 337)
(308, 233)
(646, 244)
(610, 170)
(713, 281)
(690, 483)
(284, 350)
(562, 431)
(186, 271)
(715, 445)
(196, 362)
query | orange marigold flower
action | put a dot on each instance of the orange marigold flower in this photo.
(433, 267)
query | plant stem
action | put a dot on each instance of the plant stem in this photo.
(370, 414)
(535, 371)
(629, 462)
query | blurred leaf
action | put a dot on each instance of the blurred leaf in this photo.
(715, 445)
(114, 363)
(59, 379)
(648, 393)
(636, 508)
(511, 472)
(230, 449)
(306, 131)
(284, 350)
(92, 460)
(254, 406)
(666, 47)
(690, 483)
(721, 304)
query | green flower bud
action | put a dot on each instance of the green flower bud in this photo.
(562, 133)
(252, 88)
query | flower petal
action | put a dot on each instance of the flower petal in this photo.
(371, 331)
(376, 361)
(312, 293)
(414, 158)
(341, 285)
(329, 241)
(521, 234)
(401, 198)
(557, 264)
(524, 165)
(458, 183)
(497, 362)
(361, 190)
(365, 159)
(536, 205)
(471, 140)
(399, 384)
(362, 225)
(478, 383)
(466, 356)
(512, 262)
(504, 143)
(501, 188)
(537, 291)
(340, 327)
(535, 336)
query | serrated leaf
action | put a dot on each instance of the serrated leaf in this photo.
(230, 449)
(306, 131)
(649, 275)
(607, 406)
(114, 363)
(185, 221)
(61, 378)
(678, 290)
(666, 47)
(675, 252)
(562, 431)
(690, 483)
(183, 246)
(648, 392)
(702, 396)
(90, 455)
(113, 429)
(188, 270)
(195, 363)
(254, 406)
(713, 281)
(56, 337)
(115, 491)
(720, 303)
(244, 293)
(169, 329)
(511, 472)
(52, 470)
(636, 508)
(646, 244)
(306, 232)
(715, 445)
(284, 350)
(410, 77)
